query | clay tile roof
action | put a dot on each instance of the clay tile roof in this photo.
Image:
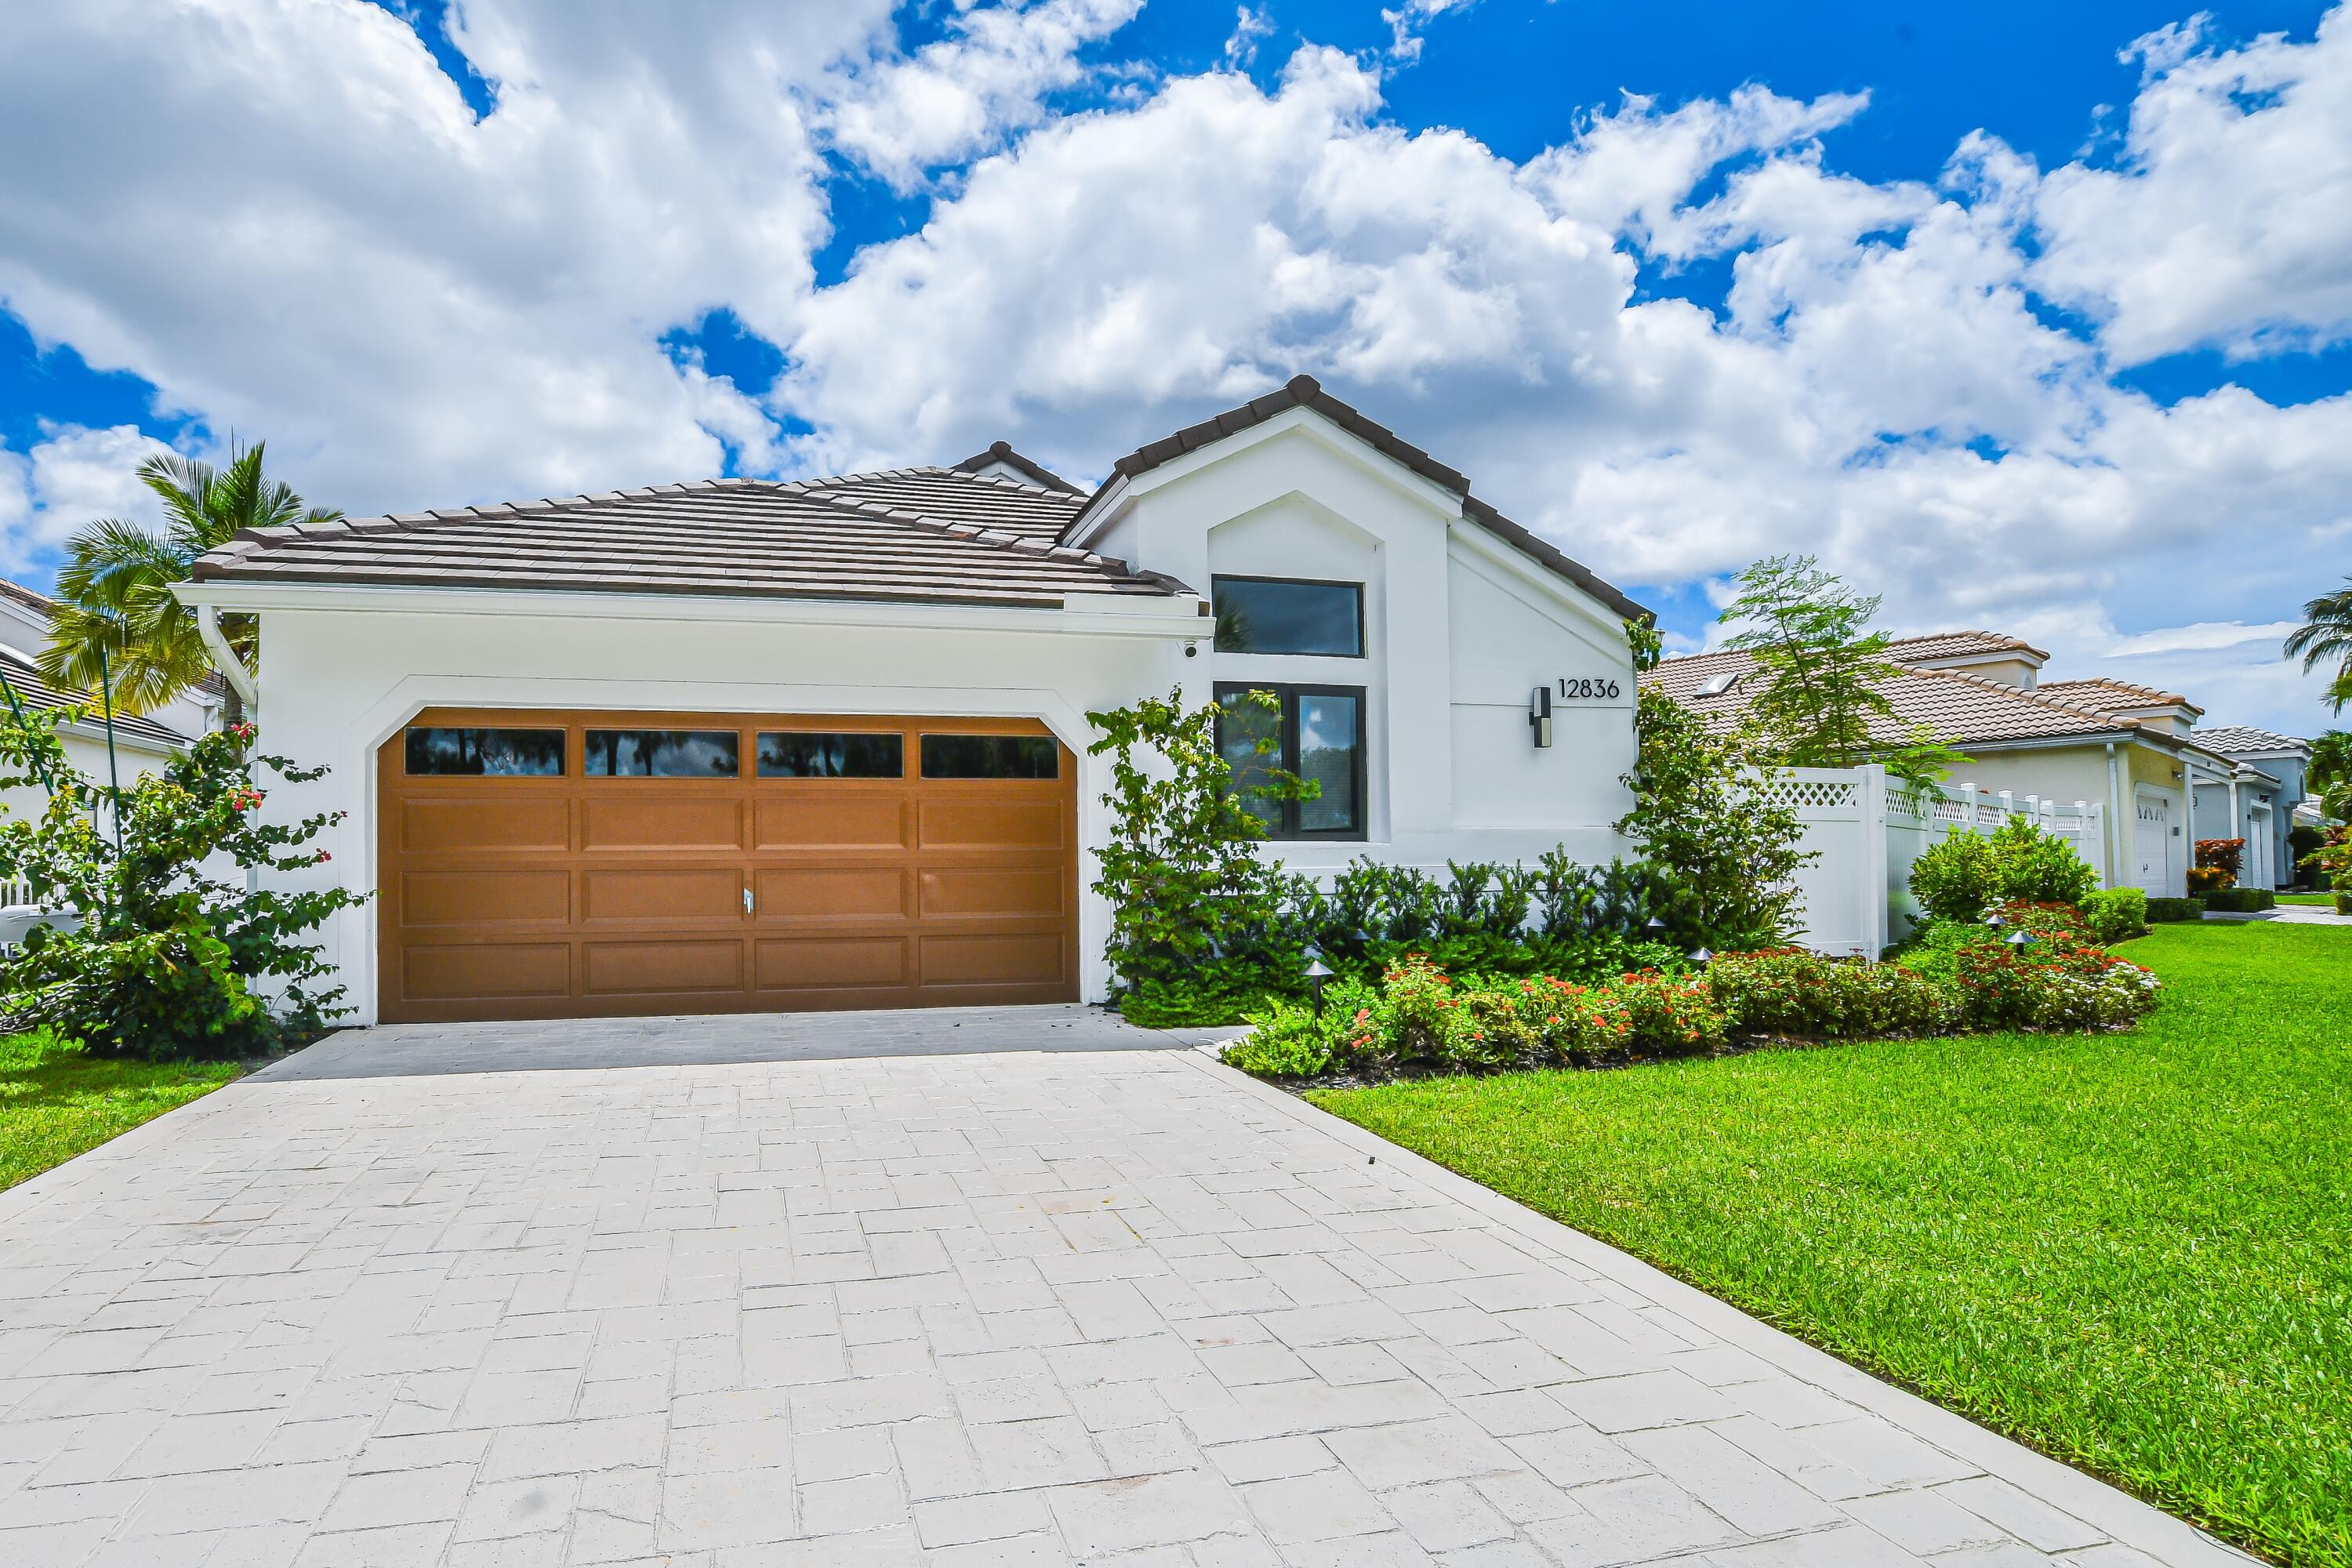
(34, 691)
(2244, 740)
(1002, 452)
(918, 535)
(2098, 694)
(40, 604)
(1956, 707)
(1957, 645)
(1306, 392)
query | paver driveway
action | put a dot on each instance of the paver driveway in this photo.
(1087, 1304)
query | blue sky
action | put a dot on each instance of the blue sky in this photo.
(1916, 287)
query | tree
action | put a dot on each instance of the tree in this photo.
(117, 620)
(2326, 634)
(2329, 777)
(1730, 852)
(1820, 701)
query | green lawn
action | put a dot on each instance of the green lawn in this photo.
(2321, 899)
(2133, 1251)
(55, 1102)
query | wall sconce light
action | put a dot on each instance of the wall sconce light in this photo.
(1539, 716)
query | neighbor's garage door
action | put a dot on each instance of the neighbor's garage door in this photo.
(573, 864)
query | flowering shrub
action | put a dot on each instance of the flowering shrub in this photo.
(168, 961)
(2048, 922)
(2208, 879)
(2226, 854)
(2055, 984)
(1788, 991)
(1672, 1015)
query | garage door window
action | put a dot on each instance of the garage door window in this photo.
(512, 753)
(795, 754)
(992, 757)
(662, 753)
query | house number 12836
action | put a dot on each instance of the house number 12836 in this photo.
(1590, 690)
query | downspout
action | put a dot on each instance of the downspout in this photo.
(225, 659)
(2114, 818)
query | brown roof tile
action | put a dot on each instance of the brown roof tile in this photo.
(895, 537)
(1956, 707)
(1002, 452)
(35, 691)
(2097, 694)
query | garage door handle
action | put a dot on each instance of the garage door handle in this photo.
(747, 900)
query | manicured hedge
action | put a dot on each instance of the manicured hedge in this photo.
(2240, 900)
(2175, 909)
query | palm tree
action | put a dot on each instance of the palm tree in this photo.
(116, 619)
(2326, 634)
(2329, 773)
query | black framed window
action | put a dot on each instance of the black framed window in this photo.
(662, 753)
(1316, 732)
(503, 753)
(841, 754)
(992, 757)
(1286, 615)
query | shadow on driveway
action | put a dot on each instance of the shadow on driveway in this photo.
(416, 1050)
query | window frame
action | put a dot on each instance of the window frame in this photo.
(922, 771)
(563, 749)
(588, 749)
(1287, 830)
(1363, 647)
(899, 736)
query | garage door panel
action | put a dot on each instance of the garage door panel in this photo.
(992, 892)
(992, 959)
(485, 898)
(832, 963)
(814, 816)
(829, 895)
(673, 967)
(484, 821)
(993, 822)
(661, 893)
(680, 817)
(500, 971)
(555, 895)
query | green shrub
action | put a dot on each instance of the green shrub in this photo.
(170, 959)
(1671, 1015)
(2051, 985)
(1957, 879)
(1788, 991)
(2115, 914)
(2242, 900)
(1933, 949)
(2204, 879)
(2063, 922)
(2039, 867)
(2344, 900)
(2161, 910)
(1285, 1040)
(1556, 918)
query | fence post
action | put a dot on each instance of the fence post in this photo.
(1876, 896)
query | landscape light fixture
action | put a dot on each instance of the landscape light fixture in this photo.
(1703, 957)
(2019, 939)
(1654, 929)
(1317, 972)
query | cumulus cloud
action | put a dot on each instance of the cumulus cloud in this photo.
(2224, 225)
(70, 477)
(305, 232)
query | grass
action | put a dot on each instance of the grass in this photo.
(56, 1100)
(2323, 900)
(2132, 1251)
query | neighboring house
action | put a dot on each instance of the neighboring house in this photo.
(750, 745)
(2261, 795)
(24, 631)
(141, 745)
(2126, 748)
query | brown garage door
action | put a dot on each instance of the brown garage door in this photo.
(574, 865)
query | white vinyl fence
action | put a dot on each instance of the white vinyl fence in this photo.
(1866, 834)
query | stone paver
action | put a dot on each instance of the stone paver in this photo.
(809, 1302)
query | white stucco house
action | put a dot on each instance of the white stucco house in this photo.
(750, 745)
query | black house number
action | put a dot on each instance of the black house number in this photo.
(1588, 691)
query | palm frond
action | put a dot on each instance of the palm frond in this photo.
(2327, 629)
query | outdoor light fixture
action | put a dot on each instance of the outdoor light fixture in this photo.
(1318, 972)
(2018, 938)
(1539, 716)
(1654, 929)
(1993, 922)
(1702, 958)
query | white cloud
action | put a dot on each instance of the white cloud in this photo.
(2224, 226)
(1407, 21)
(968, 92)
(71, 476)
(1249, 29)
(2201, 637)
(300, 230)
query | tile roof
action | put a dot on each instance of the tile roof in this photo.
(2101, 695)
(40, 604)
(1002, 452)
(1959, 708)
(1957, 645)
(2244, 740)
(948, 495)
(1306, 392)
(865, 537)
(34, 691)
